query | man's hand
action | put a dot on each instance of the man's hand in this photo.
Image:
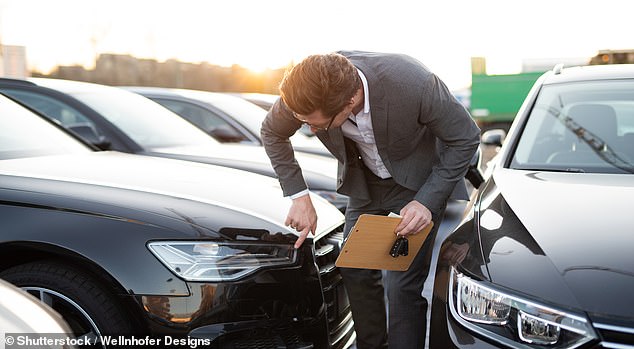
(302, 217)
(415, 217)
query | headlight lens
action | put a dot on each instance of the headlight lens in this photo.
(338, 200)
(513, 320)
(216, 262)
(480, 304)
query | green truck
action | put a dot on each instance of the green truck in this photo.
(495, 99)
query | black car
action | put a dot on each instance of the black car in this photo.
(228, 118)
(544, 257)
(122, 244)
(115, 119)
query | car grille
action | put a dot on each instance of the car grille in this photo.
(616, 337)
(340, 324)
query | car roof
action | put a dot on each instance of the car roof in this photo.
(591, 73)
(69, 86)
(186, 93)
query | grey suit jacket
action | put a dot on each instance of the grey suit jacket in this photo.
(424, 135)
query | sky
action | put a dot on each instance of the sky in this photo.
(259, 34)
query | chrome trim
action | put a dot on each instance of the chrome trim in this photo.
(347, 329)
(324, 250)
(616, 345)
(327, 269)
(614, 328)
(350, 341)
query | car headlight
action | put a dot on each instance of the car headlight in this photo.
(338, 200)
(513, 320)
(216, 262)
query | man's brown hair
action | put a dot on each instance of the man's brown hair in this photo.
(320, 82)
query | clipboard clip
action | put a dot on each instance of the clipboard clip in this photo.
(400, 247)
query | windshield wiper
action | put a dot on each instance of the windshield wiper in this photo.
(598, 145)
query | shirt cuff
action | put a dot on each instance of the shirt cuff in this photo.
(300, 194)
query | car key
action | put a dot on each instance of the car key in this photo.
(398, 246)
(404, 248)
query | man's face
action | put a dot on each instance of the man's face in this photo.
(318, 121)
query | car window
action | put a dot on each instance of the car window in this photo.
(580, 127)
(24, 134)
(245, 113)
(60, 112)
(64, 114)
(146, 122)
(201, 117)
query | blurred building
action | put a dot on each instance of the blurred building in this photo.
(613, 57)
(121, 70)
(13, 61)
(545, 64)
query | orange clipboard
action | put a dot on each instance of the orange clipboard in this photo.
(370, 240)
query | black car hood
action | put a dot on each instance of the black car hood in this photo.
(582, 224)
(127, 180)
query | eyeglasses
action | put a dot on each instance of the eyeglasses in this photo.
(314, 126)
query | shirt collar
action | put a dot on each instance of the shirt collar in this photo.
(366, 93)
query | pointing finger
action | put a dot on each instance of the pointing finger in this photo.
(302, 237)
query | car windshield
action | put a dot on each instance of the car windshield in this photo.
(146, 122)
(247, 113)
(24, 134)
(580, 127)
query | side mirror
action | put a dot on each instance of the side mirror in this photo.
(474, 175)
(493, 137)
(226, 134)
(88, 133)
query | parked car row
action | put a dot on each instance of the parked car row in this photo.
(114, 119)
(106, 196)
(121, 243)
(226, 117)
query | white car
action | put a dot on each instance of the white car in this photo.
(23, 314)
(226, 117)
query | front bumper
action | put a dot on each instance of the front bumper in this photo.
(304, 306)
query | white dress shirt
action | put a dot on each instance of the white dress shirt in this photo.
(363, 134)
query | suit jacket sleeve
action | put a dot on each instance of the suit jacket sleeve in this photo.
(278, 126)
(450, 122)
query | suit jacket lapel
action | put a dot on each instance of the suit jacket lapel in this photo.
(333, 140)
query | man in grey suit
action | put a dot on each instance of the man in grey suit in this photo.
(403, 143)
